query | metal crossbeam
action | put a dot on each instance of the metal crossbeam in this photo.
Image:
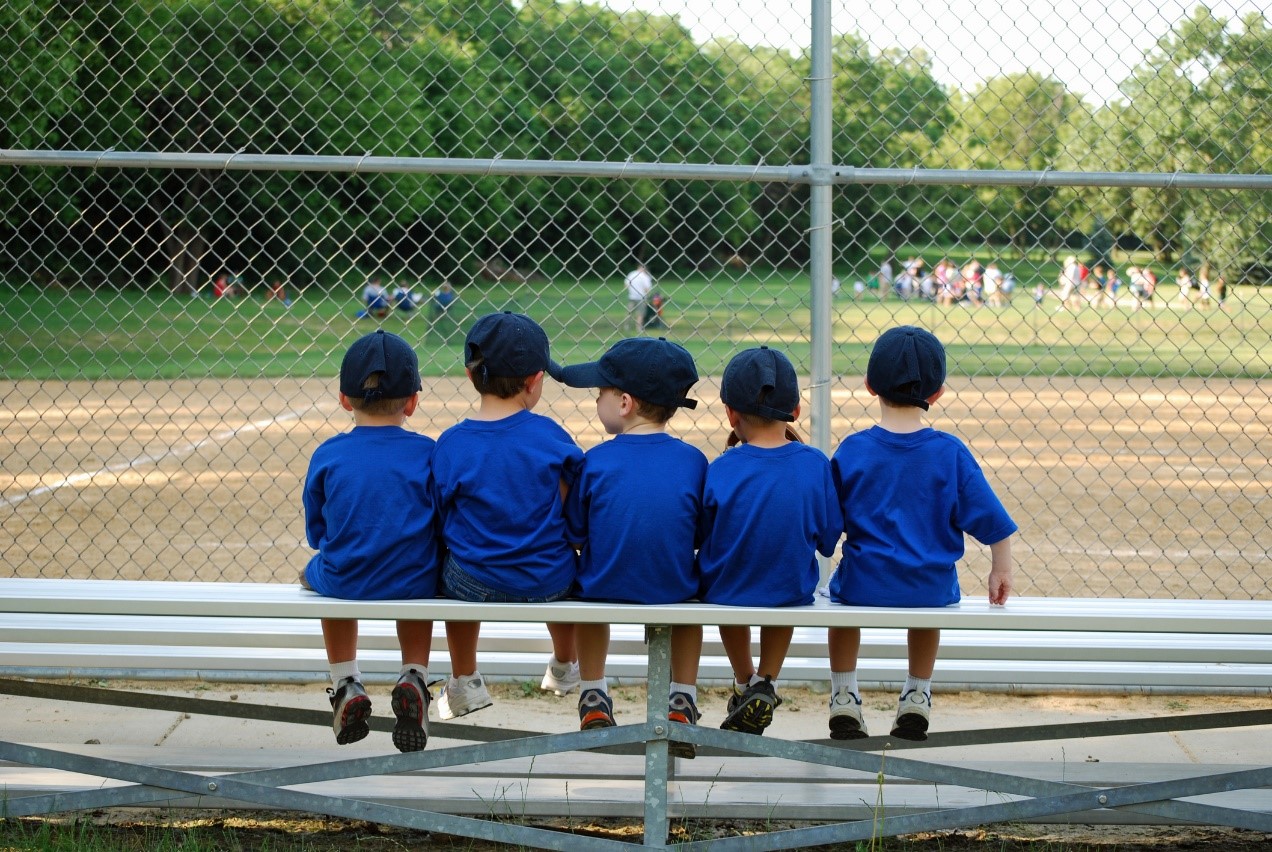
(1032, 798)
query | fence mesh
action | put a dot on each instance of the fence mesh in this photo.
(197, 196)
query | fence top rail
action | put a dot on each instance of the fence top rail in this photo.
(274, 600)
(631, 170)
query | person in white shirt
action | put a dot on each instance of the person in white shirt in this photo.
(639, 284)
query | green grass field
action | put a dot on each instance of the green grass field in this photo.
(83, 335)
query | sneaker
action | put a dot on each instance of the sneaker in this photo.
(410, 704)
(754, 710)
(596, 710)
(350, 708)
(735, 700)
(846, 722)
(463, 696)
(913, 711)
(562, 679)
(680, 708)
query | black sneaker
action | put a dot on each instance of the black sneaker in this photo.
(410, 704)
(350, 708)
(596, 710)
(681, 708)
(913, 712)
(754, 710)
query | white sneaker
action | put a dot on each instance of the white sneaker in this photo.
(913, 712)
(463, 696)
(561, 679)
(846, 722)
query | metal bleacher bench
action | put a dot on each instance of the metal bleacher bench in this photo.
(46, 625)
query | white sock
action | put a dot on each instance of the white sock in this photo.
(922, 685)
(689, 689)
(755, 678)
(342, 671)
(739, 688)
(420, 670)
(839, 681)
(602, 685)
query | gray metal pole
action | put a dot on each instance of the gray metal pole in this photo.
(819, 210)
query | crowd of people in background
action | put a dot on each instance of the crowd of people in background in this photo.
(976, 284)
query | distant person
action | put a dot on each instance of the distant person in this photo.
(638, 284)
(1184, 281)
(376, 300)
(277, 292)
(443, 298)
(884, 278)
(1070, 282)
(908, 494)
(634, 512)
(371, 518)
(405, 299)
(768, 508)
(500, 479)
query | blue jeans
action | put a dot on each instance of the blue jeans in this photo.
(459, 585)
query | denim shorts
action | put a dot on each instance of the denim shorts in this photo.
(458, 584)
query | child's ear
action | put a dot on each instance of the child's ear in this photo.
(626, 404)
(412, 402)
(534, 381)
(345, 403)
(872, 390)
(934, 397)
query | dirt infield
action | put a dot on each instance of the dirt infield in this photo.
(1138, 488)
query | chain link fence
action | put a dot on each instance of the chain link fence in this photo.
(197, 197)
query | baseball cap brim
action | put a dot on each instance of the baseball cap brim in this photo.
(588, 375)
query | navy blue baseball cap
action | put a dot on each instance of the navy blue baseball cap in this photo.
(653, 370)
(761, 382)
(509, 345)
(380, 352)
(907, 365)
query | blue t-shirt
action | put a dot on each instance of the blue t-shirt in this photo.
(635, 510)
(766, 513)
(370, 515)
(907, 500)
(498, 490)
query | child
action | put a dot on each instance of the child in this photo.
(371, 517)
(635, 507)
(908, 494)
(500, 479)
(768, 507)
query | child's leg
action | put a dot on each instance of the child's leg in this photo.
(915, 706)
(410, 694)
(466, 690)
(416, 641)
(751, 711)
(593, 646)
(843, 645)
(349, 703)
(340, 637)
(461, 642)
(562, 674)
(922, 645)
(846, 719)
(563, 644)
(686, 654)
(737, 645)
(774, 643)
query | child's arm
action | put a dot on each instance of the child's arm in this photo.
(1000, 571)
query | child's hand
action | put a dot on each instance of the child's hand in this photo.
(999, 587)
(1000, 572)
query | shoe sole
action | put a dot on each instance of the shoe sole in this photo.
(445, 713)
(846, 728)
(675, 748)
(750, 718)
(354, 725)
(410, 708)
(596, 719)
(910, 726)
